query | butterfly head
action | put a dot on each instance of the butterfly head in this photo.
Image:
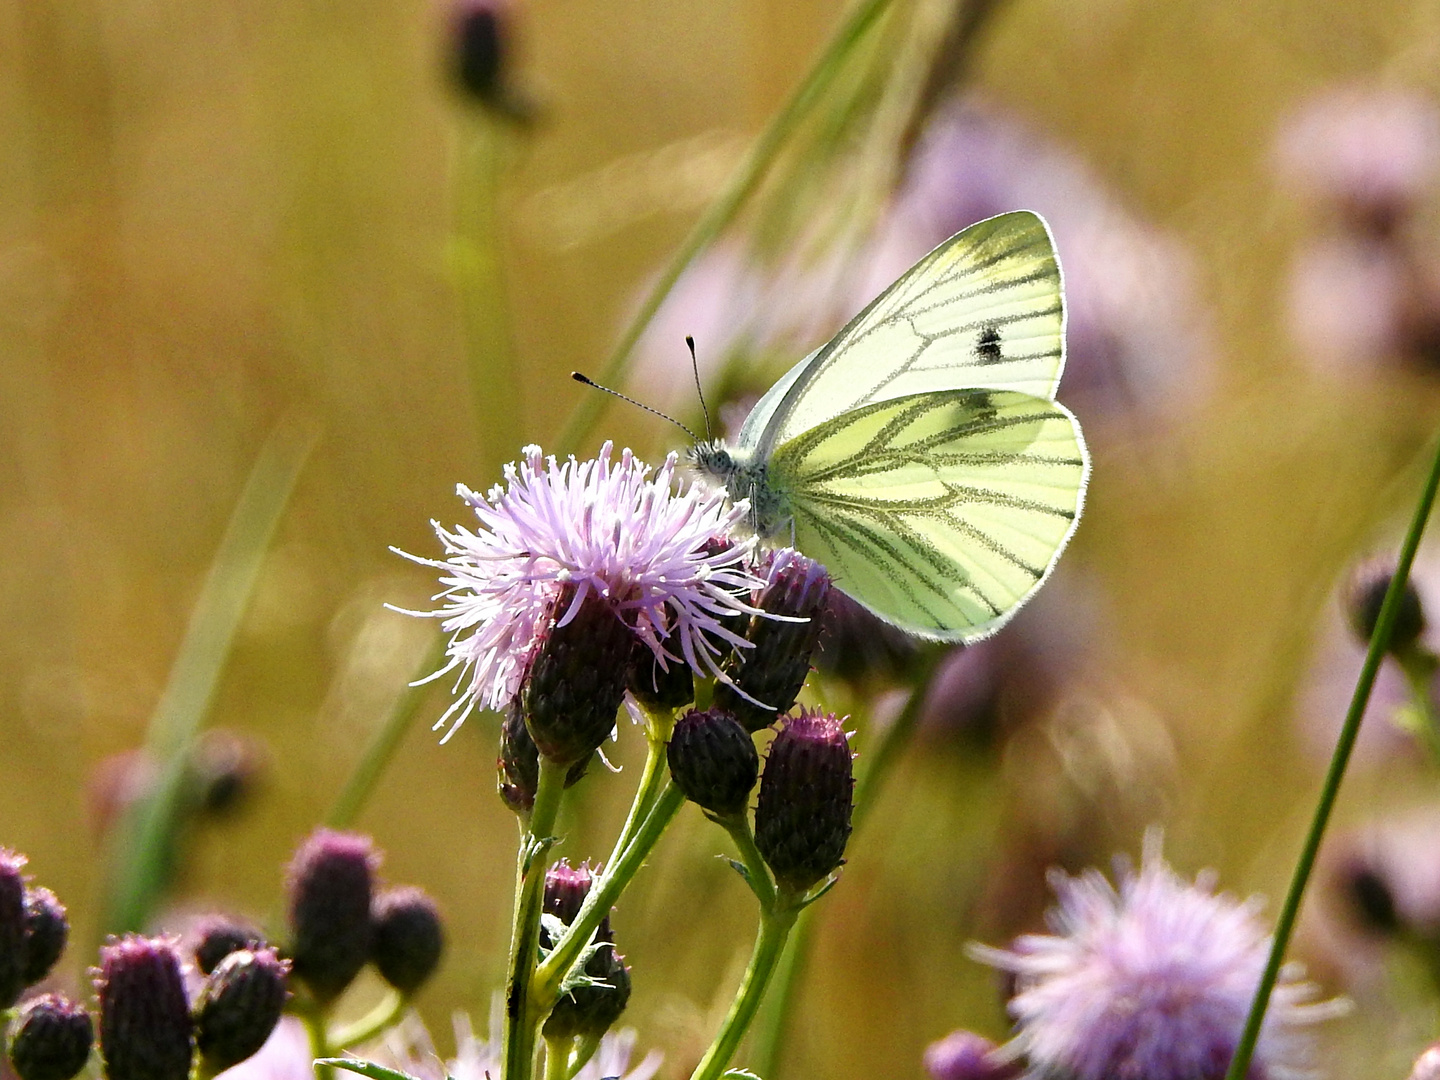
(744, 477)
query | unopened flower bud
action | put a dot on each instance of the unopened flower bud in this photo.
(577, 679)
(12, 927)
(773, 672)
(963, 1055)
(51, 1038)
(330, 885)
(46, 931)
(217, 936)
(566, 887)
(713, 761)
(409, 938)
(518, 767)
(1364, 598)
(592, 1010)
(239, 1006)
(660, 689)
(802, 820)
(145, 1030)
(1370, 899)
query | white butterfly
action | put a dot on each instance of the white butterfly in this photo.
(920, 454)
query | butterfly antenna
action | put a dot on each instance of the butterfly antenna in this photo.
(578, 377)
(695, 367)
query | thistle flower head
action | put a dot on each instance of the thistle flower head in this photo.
(609, 529)
(1150, 981)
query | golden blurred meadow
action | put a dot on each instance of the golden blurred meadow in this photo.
(223, 221)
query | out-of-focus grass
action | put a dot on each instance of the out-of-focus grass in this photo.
(214, 215)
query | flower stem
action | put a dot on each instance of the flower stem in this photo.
(521, 1020)
(314, 1020)
(775, 924)
(382, 1016)
(1379, 644)
(738, 826)
(658, 726)
(723, 211)
(557, 1059)
(603, 893)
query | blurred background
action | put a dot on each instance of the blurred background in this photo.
(295, 221)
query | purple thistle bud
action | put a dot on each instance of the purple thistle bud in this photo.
(713, 761)
(217, 936)
(330, 885)
(775, 669)
(566, 887)
(577, 679)
(409, 938)
(51, 1038)
(591, 1010)
(1364, 597)
(802, 820)
(963, 1055)
(239, 1006)
(518, 766)
(480, 46)
(145, 1030)
(46, 931)
(12, 927)
(1427, 1065)
(660, 689)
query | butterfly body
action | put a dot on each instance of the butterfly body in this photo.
(920, 454)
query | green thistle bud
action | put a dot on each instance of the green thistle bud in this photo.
(239, 1006)
(51, 1039)
(802, 820)
(773, 672)
(713, 761)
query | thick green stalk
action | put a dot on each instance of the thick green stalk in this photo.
(521, 1020)
(1379, 645)
(557, 1059)
(314, 1020)
(722, 212)
(382, 1016)
(658, 726)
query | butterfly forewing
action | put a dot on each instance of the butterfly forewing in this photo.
(983, 310)
(941, 512)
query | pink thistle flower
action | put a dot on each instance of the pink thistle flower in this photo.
(1150, 981)
(642, 543)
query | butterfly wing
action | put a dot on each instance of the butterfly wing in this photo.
(983, 310)
(941, 512)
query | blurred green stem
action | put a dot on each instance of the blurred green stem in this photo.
(557, 1058)
(142, 847)
(385, 740)
(752, 170)
(521, 1020)
(314, 1020)
(1379, 645)
(378, 1019)
(1419, 666)
(584, 1052)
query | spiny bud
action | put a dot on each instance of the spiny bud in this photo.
(1366, 594)
(12, 927)
(577, 679)
(518, 767)
(963, 1055)
(145, 1031)
(239, 1006)
(409, 938)
(657, 688)
(775, 669)
(592, 1010)
(566, 887)
(802, 820)
(330, 886)
(713, 761)
(217, 936)
(51, 1038)
(46, 931)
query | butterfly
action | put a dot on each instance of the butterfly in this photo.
(921, 454)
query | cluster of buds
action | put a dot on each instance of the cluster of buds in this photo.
(588, 1010)
(340, 920)
(50, 1037)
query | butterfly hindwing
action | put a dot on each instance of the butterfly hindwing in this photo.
(983, 310)
(941, 512)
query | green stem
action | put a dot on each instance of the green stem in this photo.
(384, 742)
(584, 1052)
(775, 927)
(1419, 667)
(314, 1021)
(603, 894)
(557, 1058)
(521, 1021)
(382, 1016)
(1379, 644)
(722, 212)
(738, 827)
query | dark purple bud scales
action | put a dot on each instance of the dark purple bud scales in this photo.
(145, 1031)
(518, 767)
(660, 689)
(773, 672)
(802, 820)
(409, 938)
(713, 761)
(1364, 598)
(217, 936)
(592, 1010)
(577, 679)
(330, 886)
(12, 927)
(46, 931)
(50, 1039)
(239, 1006)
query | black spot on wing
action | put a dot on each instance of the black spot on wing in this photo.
(987, 348)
